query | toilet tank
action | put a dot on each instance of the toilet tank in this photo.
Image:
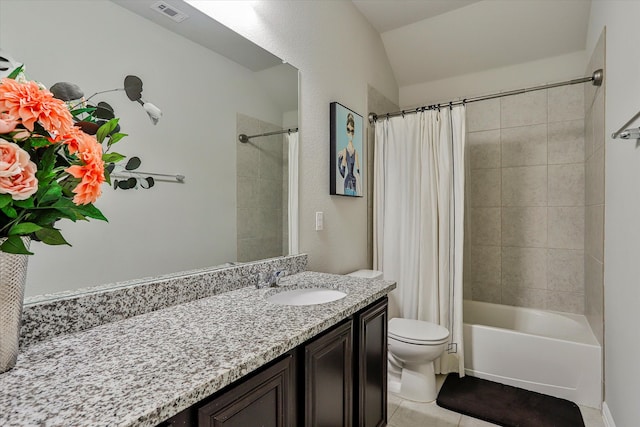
(367, 274)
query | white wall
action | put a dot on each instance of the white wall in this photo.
(622, 230)
(337, 53)
(172, 227)
(484, 35)
(548, 70)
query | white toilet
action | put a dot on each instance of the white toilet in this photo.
(413, 346)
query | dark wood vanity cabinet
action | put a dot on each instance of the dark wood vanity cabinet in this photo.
(371, 366)
(328, 378)
(266, 399)
(336, 379)
(345, 372)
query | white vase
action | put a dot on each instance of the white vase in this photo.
(13, 275)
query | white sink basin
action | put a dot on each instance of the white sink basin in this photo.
(306, 296)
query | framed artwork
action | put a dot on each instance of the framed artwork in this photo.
(347, 158)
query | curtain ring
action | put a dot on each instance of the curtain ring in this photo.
(464, 101)
(402, 113)
(450, 105)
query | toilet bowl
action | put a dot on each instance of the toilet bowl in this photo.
(413, 345)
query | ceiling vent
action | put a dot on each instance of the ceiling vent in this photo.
(169, 11)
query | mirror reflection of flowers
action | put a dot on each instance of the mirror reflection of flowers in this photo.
(52, 163)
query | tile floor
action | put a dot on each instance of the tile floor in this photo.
(404, 413)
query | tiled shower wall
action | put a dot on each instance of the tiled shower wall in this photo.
(594, 195)
(260, 191)
(526, 200)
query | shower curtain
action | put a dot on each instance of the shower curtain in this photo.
(418, 219)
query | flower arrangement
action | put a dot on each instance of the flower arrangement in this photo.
(52, 162)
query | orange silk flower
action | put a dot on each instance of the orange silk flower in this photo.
(30, 103)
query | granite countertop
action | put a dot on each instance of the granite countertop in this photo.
(143, 370)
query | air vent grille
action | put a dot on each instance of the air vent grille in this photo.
(169, 11)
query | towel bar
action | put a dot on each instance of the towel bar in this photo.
(625, 133)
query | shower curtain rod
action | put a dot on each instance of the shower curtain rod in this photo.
(596, 79)
(244, 138)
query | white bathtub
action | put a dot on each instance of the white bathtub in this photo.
(545, 351)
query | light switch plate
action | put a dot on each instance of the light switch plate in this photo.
(319, 221)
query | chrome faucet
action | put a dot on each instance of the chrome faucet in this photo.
(270, 280)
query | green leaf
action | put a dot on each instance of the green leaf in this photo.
(44, 179)
(70, 214)
(44, 183)
(92, 212)
(39, 142)
(79, 111)
(67, 190)
(53, 192)
(78, 212)
(9, 211)
(47, 162)
(5, 199)
(112, 157)
(14, 245)
(115, 138)
(24, 228)
(15, 72)
(51, 236)
(106, 129)
(25, 204)
(49, 216)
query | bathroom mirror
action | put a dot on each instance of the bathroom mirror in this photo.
(211, 84)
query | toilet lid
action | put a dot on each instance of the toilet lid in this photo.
(417, 331)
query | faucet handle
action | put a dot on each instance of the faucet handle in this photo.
(263, 280)
(277, 275)
(269, 280)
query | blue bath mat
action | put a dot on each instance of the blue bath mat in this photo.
(506, 405)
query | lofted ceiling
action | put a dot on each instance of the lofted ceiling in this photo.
(428, 40)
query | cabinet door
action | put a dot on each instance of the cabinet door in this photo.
(371, 361)
(182, 419)
(328, 379)
(264, 400)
